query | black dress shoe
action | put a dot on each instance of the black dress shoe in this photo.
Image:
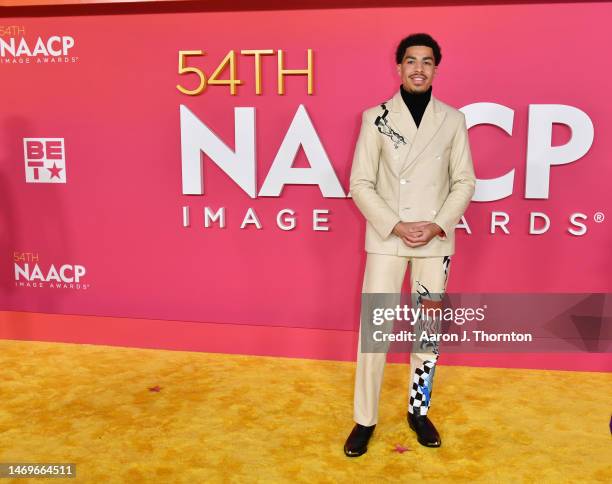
(427, 434)
(357, 442)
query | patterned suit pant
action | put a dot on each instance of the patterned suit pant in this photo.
(385, 274)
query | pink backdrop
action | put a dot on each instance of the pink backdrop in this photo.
(119, 214)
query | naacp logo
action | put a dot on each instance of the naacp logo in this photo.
(36, 49)
(66, 276)
(45, 160)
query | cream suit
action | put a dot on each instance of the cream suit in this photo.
(401, 173)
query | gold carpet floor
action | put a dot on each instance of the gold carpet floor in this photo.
(228, 418)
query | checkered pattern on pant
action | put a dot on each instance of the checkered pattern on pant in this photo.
(420, 393)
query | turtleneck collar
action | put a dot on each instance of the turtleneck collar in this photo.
(416, 103)
(415, 98)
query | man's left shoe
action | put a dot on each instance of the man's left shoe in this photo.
(427, 434)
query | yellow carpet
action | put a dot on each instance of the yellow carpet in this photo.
(225, 418)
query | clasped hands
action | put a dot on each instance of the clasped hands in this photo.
(416, 234)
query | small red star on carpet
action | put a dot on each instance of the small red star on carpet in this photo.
(156, 388)
(55, 171)
(400, 449)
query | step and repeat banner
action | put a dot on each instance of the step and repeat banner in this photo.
(195, 166)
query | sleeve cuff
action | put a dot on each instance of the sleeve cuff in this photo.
(442, 235)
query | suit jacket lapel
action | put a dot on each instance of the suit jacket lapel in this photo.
(402, 119)
(417, 139)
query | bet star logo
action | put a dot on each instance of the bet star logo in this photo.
(45, 160)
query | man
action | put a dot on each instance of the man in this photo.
(412, 178)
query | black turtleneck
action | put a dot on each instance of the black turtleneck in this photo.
(416, 102)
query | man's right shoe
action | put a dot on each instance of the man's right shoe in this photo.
(357, 442)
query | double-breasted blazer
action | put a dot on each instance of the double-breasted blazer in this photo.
(401, 173)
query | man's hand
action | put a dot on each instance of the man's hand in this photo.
(416, 234)
(405, 229)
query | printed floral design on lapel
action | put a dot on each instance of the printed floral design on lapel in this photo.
(384, 128)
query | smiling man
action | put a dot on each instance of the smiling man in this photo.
(412, 178)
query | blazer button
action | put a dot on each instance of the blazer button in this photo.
(403, 181)
(438, 157)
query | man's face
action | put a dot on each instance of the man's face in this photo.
(417, 69)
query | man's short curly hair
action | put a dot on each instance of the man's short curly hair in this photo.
(418, 39)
